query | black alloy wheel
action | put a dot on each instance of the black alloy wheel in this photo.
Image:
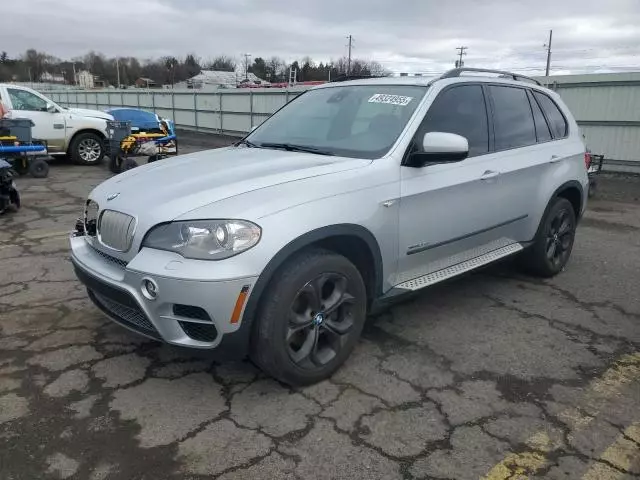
(320, 321)
(559, 238)
(550, 251)
(310, 317)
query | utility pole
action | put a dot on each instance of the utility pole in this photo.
(75, 77)
(548, 45)
(246, 65)
(349, 57)
(118, 71)
(461, 51)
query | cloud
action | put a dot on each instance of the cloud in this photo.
(404, 35)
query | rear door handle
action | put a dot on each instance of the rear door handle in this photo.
(555, 159)
(489, 174)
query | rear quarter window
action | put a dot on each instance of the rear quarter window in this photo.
(557, 122)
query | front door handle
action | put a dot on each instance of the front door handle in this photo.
(489, 174)
(555, 159)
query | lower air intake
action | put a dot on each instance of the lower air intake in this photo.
(202, 332)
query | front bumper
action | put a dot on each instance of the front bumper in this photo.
(187, 313)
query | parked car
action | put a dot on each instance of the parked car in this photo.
(77, 132)
(353, 193)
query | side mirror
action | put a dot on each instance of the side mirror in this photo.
(440, 147)
(51, 108)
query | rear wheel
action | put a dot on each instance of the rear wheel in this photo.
(87, 149)
(115, 164)
(128, 164)
(39, 168)
(552, 248)
(21, 165)
(311, 318)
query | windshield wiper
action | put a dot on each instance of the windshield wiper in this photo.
(247, 143)
(290, 147)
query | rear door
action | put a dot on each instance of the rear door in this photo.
(49, 126)
(523, 149)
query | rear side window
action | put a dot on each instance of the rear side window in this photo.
(558, 123)
(513, 120)
(460, 110)
(542, 128)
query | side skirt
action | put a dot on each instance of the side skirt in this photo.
(455, 270)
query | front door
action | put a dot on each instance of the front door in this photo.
(49, 126)
(449, 212)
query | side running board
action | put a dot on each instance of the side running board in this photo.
(460, 268)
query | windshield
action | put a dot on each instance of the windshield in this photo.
(359, 121)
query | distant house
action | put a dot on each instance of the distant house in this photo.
(52, 78)
(85, 79)
(212, 79)
(144, 82)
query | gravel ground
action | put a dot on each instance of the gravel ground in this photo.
(494, 375)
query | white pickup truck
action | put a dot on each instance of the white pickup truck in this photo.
(76, 132)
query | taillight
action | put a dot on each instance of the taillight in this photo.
(587, 160)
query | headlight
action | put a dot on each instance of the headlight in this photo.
(204, 239)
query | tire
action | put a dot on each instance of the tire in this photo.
(21, 166)
(38, 168)
(296, 337)
(552, 247)
(87, 149)
(115, 164)
(128, 164)
(14, 198)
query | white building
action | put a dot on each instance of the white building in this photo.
(85, 79)
(51, 78)
(211, 79)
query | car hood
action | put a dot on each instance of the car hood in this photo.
(164, 190)
(85, 112)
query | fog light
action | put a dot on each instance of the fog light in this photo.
(149, 289)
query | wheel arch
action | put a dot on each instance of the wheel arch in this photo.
(573, 192)
(355, 242)
(80, 132)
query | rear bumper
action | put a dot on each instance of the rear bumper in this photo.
(192, 314)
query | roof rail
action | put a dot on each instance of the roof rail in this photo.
(346, 78)
(457, 72)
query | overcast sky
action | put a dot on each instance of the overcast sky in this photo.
(403, 35)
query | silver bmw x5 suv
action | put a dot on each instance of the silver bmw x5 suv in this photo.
(355, 191)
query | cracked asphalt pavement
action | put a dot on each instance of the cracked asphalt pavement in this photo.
(494, 375)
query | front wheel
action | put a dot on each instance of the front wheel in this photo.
(87, 149)
(552, 247)
(311, 318)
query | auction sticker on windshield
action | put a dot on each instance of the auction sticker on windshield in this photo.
(390, 99)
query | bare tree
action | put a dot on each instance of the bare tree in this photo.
(222, 63)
